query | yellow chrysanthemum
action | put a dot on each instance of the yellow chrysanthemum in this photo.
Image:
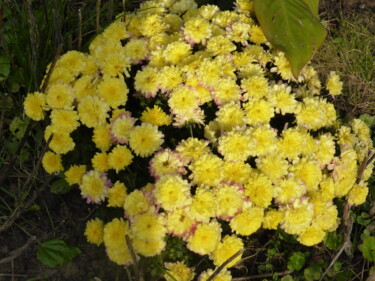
(121, 127)
(94, 231)
(237, 172)
(298, 217)
(144, 140)
(179, 222)
(64, 120)
(333, 84)
(248, 221)
(192, 148)
(196, 30)
(207, 169)
(137, 50)
(176, 51)
(60, 96)
(61, 142)
(147, 247)
(264, 141)
(114, 91)
(148, 227)
(229, 246)
(92, 111)
(220, 45)
(312, 235)
(257, 35)
(203, 205)
(205, 238)
(172, 192)
(102, 137)
(116, 195)
(291, 143)
(169, 78)
(100, 162)
(114, 234)
(156, 116)
(226, 90)
(229, 200)
(309, 173)
(94, 186)
(74, 174)
(179, 271)
(273, 166)
(224, 275)
(357, 195)
(146, 81)
(120, 157)
(260, 190)
(288, 190)
(230, 115)
(52, 162)
(34, 106)
(235, 146)
(272, 219)
(135, 203)
(152, 24)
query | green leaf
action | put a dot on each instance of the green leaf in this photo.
(296, 261)
(314, 7)
(364, 219)
(332, 240)
(313, 272)
(4, 67)
(368, 248)
(292, 28)
(56, 252)
(18, 127)
(60, 186)
(287, 278)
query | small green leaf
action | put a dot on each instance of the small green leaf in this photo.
(313, 272)
(296, 261)
(18, 127)
(34, 207)
(364, 219)
(368, 248)
(4, 67)
(291, 27)
(332, 240)
(60, 186)
(56, 252)
(287, 278)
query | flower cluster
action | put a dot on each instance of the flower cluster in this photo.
(268, 151)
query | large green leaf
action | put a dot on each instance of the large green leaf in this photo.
(56, 252)
(291, 27)
(314, 7)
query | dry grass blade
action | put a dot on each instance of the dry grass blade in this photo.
(222, 266)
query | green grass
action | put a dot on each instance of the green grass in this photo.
(349, 50)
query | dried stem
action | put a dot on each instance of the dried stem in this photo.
(98, 4)
(79, 29)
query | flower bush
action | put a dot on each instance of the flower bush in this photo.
(192, 124)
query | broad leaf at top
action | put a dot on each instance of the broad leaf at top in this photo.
(291, 27)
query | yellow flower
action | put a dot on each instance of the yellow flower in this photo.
(174, 21)
(34, 106)
(248, 221)
(291, 143)
(285, 102)
(148, 227)
(169, 78)
(229, 246)
(333, 84)
(183, 101)
(239, 32)
(237, 172)
(114, 91)
(94, 231)
(259, 189)
(326, 149)
(264, 141)
(74, 174)
(64, 120)
(272, 219)
(92, 111)
(312, 235)
(205, 238)
(207, 169)
(84, 86)
(226, 90)
(121, 127)
(148, 248)
(258, 112)
(220, 45)
(147, 81)
(203, 206)
(152, 24)
(137, 50)
(283, 66)
(172, 192)
(144, 140)
(176, 51)
(116, 195)
(114, 235)
(357, 195)
(191, 149)
(60, 96)
(327, 217)
(229, 200)
(224, 275)
(52, 162)
(179, 271)
(288, 190)
(235, 146)
(230, 115)
(196, 30)
(100, 162)
(255, 86)
(156, 116)
(102, 138)
(257, 35)
(94, 186)
(121, 256)
(135, 203)
(309, 173)
(179, 222)
(120, 157)
(298, 217)
(61, 142)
